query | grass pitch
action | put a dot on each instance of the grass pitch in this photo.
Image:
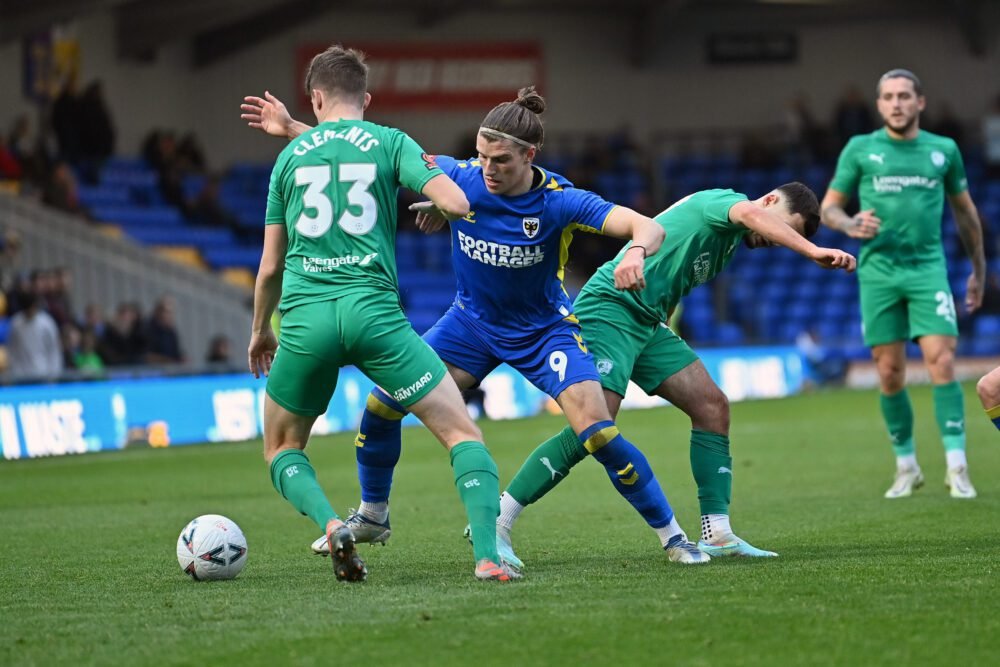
(88, 573)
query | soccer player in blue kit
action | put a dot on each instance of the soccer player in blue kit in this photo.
(511, 307)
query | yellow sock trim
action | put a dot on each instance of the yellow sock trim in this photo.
(382, 410)
(601, 438)
(993, 412)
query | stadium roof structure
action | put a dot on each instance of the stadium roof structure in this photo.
(220, 28)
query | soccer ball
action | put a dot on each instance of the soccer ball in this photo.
(212, 547)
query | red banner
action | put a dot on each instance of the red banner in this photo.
(434, 76)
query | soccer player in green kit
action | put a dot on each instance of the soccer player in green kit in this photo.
(329, 253)
(627, 334)
(902, 174)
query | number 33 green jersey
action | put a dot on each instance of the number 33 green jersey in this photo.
(334, 188)
(905, 182)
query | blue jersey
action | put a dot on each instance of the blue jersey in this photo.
(509, 253)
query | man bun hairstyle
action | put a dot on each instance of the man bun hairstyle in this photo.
(517, 121)
(900, 73)
(338, 72)
(800, 199)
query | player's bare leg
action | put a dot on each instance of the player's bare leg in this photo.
(949, 410)
(693, 391)
(988, 389)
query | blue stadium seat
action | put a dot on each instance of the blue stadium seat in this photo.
(729, 333)
(139, 216)
(247, 257)
(103, 195)
(4, 329)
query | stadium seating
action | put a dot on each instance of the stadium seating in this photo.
(769, 295)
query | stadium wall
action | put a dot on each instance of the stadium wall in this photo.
(589, 83)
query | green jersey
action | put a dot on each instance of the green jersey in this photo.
(905, 182)
(699, 243)
(334, 188)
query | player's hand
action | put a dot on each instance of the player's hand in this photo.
(429, 217)
(973, 294)
(866, 225)
(629, 272)
(260, 354)
(832, 258)
(267, 114)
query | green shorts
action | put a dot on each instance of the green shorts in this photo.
(366, 329)
(626, 349)
(906, 304)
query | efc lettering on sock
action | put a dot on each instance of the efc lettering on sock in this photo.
(291, 471)
(471, 483)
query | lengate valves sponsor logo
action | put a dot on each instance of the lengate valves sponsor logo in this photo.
(327, 264)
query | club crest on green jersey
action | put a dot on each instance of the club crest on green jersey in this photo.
(531, 227)
(937, 159)
(604, 366)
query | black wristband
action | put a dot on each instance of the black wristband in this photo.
(633, 247)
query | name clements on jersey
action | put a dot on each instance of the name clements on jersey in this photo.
(897, 183)
(355, 135)
(500, 254)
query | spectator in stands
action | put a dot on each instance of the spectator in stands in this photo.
(219, 352)
(97, 133)
(69, 336)
(124, 341)
(30, 152)
(756, 152)
(207, 209)
(991, 139)
(190, 156)
(852, 115)
(62, 192)
(33, 346)
(57, 296)
(93, 319)
(164, 345)
(805, 138)
(87, 360)
(66, 121)
(10, 166)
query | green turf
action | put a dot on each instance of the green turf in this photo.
(88, 573)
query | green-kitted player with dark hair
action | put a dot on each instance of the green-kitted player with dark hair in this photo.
(902, 174)
(329, 252)
(627, 335)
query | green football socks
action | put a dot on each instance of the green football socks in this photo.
(294, 478)
(548, 465)
(712, 467)
(949, 409)
(478, 484)
(897, 411)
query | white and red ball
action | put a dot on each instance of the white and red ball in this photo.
(212, 547)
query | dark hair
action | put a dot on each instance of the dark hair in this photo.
(800, 199)
(340, 72)
(900, 73)
(518, 118)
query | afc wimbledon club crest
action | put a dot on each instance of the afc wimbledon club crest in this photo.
(604, 366)
(530, 227)
(937, 159)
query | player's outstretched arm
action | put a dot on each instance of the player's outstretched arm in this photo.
(267, 291)
(447, 202)
(646, 236)
(772, 228)
(970, 230)
(863, 225)
(269, 115)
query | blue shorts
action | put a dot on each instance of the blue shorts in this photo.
(552, 360)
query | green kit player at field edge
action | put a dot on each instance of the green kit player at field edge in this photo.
(329, 253)
(902, 174)
(627, 334)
